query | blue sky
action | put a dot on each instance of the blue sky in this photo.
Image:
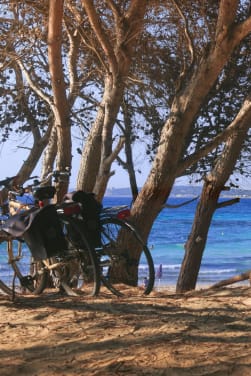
(11, 159)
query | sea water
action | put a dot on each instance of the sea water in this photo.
(228, 249)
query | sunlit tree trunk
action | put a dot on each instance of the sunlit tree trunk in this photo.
(50, 154)
(90, 160)
(113, 95)
(60, 107)
(117, 60)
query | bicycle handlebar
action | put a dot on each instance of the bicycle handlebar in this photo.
(10, 182)
(56, 174)
(18, 190)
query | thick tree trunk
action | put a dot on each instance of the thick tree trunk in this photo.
(98, 154)
(61, 108)
(213, 186)
(90, 160)
(113, 95)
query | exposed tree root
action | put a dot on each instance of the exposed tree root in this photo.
(234, 279)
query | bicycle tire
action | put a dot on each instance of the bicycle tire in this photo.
(6, 271)
(16, 274)
(80, 270)
(111, 254)
(31, 276)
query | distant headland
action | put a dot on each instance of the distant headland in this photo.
(182, 191)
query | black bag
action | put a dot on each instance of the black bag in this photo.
(91, 209)
(40, 229)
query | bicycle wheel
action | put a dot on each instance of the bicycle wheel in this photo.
(17, 271)
(79, 266)
(126, 263)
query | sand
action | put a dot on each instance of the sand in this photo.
(200, 333)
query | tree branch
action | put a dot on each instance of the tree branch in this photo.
(242, 30)
(101, 35)
(72, 55)
(226, 17)
(116, 151)
(33, 86)
(229, 281)
(187, 34)
(227, 203)
(235, 126)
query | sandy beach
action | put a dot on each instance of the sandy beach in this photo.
(207, 332)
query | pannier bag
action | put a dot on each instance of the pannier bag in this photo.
(40, 229)
(91, 209)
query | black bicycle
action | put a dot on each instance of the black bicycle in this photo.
(51, 248)
(125, 262)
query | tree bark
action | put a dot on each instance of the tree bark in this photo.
(208, 203)
(60, 107)
(117, 56)
(39, 141)
(113, 95)
(234, 279)
(90, 160)
(128, 164)
(49, 154)
(187, 102)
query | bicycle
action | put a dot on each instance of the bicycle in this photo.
(120, 250)
(67, 259)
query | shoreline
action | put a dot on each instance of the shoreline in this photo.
(165, 287)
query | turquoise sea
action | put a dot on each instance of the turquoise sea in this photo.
(228, 249)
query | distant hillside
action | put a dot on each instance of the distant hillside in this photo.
(182, 191)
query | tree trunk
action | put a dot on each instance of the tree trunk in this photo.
(131, 170)
(39, 141)
(31, 161)
(60, 108)
(113, 95)
(50, 154)
(185, 107)
(90, 160)
(128, 164)
(196, 242)
(98, 155)
(212, 188)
